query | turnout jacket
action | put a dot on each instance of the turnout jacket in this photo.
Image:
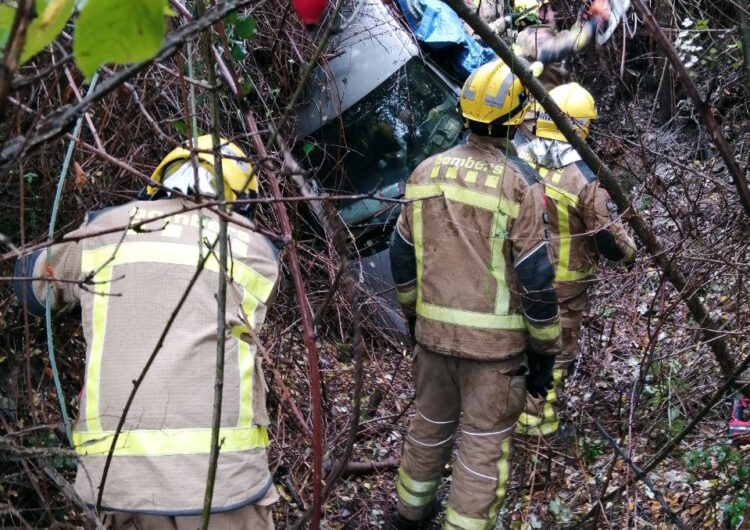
(128, 284)
(470, 255)
(585, 224)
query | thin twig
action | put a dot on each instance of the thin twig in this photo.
(641, 474)
(25, 13)
(221, 296)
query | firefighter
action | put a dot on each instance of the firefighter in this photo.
(128, 283)
(585, 225)
(474, 275)
(540, 40)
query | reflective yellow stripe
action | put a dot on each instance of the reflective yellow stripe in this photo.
(573, 276)
(538, 430)
(630, 256)
(416, 501)
(174, 254)
(560, 195)
(416, 233)
(417, 486)
(532, 425)
(453, 519)
(529, 420)
(473, 319)
(454, 193)
(246, 365)
(503, 472)
(497, 262)
(169, 441)
(408, 296)
(563, 200)
(103, 278)
(545, 333)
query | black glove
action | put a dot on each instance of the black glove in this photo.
(541, 377)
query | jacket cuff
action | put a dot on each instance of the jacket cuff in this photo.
(25, 288)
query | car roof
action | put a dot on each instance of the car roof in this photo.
(370, 48)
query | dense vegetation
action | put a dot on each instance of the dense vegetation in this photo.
(656, 354)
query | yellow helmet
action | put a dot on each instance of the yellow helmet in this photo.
(493, 95)
(528, 6)
(576, 102)
(239, 177)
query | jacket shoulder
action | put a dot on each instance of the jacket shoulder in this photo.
(529, 174)
(585, 170)
(97, 213)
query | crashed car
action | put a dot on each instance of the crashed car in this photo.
(376, 110)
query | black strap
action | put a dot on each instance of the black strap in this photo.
(529, 173)
(589, 175)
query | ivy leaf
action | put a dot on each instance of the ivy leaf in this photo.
(118, 31)
(245, 28)
(50, 21)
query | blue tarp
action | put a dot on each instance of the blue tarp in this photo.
(440, 28)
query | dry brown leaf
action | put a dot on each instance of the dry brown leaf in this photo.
(80, 176)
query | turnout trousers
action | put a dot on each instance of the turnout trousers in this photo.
(485, 398)
(541, 415)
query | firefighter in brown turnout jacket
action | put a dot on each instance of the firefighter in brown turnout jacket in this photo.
(128, 282)
(545, 43)
(585, 225)
(473, 269)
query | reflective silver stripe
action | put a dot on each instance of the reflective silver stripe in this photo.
(469, 94)
(436, 422)
(438, 444)
(481, 475)
(498, 99)
(398, 230)
(487, 433)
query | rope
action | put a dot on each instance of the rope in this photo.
(47, 289)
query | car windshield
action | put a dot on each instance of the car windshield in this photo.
(378, 141)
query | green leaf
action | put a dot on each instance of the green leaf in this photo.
(247, 87)
(118, 31)
(50, 21)
(307, 148)
(7, 14)
(245, 28)
(179, 125)
(237, 52)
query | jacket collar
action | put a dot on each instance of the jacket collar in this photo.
(491, 143)
(552, 153)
